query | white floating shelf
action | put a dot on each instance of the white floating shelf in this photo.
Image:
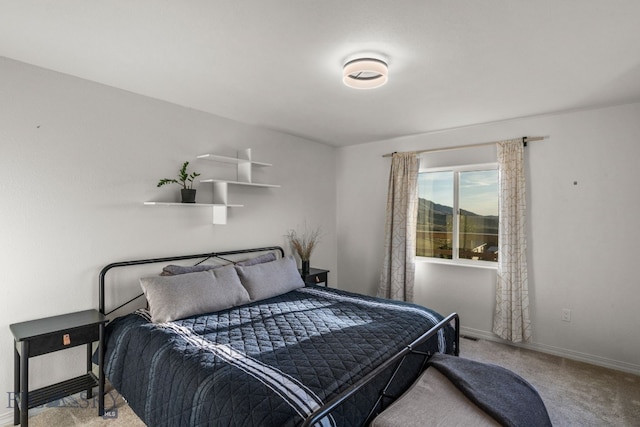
(191, 204)
(233, 160)
(250, 184)
(219, 211)
(220, 203)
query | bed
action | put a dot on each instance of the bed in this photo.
(289, 355)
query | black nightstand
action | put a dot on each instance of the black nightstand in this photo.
(42, 336)
(316, 276)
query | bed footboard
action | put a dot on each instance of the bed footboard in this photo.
(394, 362)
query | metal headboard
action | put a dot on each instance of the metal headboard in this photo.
(204, 257)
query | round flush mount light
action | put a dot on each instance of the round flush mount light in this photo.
(365, 73)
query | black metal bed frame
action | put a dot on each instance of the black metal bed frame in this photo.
(398, 359)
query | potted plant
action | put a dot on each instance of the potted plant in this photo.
(185, 179)
(304, 244)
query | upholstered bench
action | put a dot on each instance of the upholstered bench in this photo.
(454, 391)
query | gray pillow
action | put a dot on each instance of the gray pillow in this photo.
(261, 259)
(270, 279)
(176, 297)
(173, 270)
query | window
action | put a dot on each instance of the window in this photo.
(458, 214)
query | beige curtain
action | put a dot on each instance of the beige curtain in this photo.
(511, 320)
(398, 269)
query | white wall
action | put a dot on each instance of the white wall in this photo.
(582, 238)
(77, 160)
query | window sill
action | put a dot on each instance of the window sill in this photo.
(458, 263)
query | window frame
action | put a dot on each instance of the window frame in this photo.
(456, 219)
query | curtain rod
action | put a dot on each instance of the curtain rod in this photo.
(525, 139)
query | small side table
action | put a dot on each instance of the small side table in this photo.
(42, 336)
(316, 276)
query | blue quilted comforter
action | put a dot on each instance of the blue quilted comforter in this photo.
(269, 363)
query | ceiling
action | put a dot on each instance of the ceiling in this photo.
(278, 64)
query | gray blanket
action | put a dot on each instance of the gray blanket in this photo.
(502, 394)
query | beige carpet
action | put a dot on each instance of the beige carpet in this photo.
(75, 411)
(576, 394)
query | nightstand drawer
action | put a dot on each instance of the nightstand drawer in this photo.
(316, 276)
(61, 340)
(317, 279)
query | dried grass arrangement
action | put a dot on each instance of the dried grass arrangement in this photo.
(304, 243)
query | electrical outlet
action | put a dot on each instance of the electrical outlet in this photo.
(566, 315)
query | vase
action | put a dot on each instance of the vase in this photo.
(188, 195)
(305, 267)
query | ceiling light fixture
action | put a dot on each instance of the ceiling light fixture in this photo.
(365, 73)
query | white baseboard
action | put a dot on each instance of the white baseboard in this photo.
(556, 351)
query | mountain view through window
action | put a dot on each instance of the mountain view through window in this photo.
(470, 235)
